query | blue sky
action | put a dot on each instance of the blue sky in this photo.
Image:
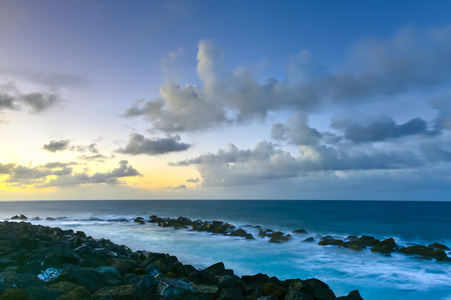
(225, 99)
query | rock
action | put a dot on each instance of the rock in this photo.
(218, 269)
(309, 240)
(87, 277)
(386, 246)
(80, 293)
(229, 294)
(172, 288)
(354, 295)
(139, 220)
(15, 294)
(438, 246)
(239, 232)
(231, 282)
(268, 298)
(315, 288)
(440, 255)
(356, 245)
(255, 279)
(271, 288)
(146, 282)
(109, 272)
(369, 240)
(202, 277)
(332, 241)
(205, 289)
(297, 295)
(120, 292)
(299, 231)
(21, 217)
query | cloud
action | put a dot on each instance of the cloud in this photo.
(177, 188)
(55, 146)
(96, 157)
(266, 162)
(138, 144)
(297, 131)
(381, 129)
(89, 148)
(377, 71)
(58, 174)
(13, 99)
(193, 180)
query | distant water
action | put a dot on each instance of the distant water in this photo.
(376, 276)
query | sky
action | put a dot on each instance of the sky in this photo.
(210, 99)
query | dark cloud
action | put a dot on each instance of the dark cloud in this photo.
(381, 129)
(58, 164)
(40, 101)
(268, 163)
(377, 71)
(7, 101)
(88, 148)
(138, 144)
(55, 146)
(177, 188)
(297, 131)
(193, 180)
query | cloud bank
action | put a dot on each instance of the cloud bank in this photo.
(138, 144)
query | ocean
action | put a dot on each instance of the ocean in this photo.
(375, 275)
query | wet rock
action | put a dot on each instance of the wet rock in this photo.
(438, 246)
(121, 292)
(332, 241)
(354, 295)
(15, 294)
(87, 277)
(309, 240)
(368, 240)
(218, 269)
(172, 288)
(299, 231)
(255, 279)
(80, 293)
(17, 217)
(231, 282)
(315, 288)
(202, 277)
(229, 294)
(297, 295)
(386, 246)
(270, 288)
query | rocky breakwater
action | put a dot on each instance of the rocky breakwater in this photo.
(40, 262)
(433, 251)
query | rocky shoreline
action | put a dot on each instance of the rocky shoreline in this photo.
(40, 262)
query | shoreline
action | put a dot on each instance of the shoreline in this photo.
(41, 262)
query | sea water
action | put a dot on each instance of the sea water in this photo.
(376, 276)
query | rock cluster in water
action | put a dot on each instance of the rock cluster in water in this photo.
(40, 262)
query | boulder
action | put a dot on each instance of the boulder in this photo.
(299, 231)
(87, 277)
(438, 246)
(297, 295)
(354, 295)
(172, 288)
(332, 241)
(17, 217)
(369, 240)
(315, 288)
(270, 288)
(386, 246)
(120, 292)
(80, 293)
(15, 294)
(229, 294)
(309, 240)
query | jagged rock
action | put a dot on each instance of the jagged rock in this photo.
(299, 231)
(171, 288)
(80, 293)
(297, 295)
(203, 277)
(315, 288)
(309, 239)
(120, 292)
(386, 246)
(270, 288)
(332, 241)
(369, 240)
(21, 217)
(232, 281)
(15, 294)
(87, 277)
(354, 295)
(229, 294)
(255, 279)
(438, 246)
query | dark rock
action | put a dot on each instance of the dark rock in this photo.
(218, 269)
(146, 282)
(120, 292)
(269, 298)
(80, 293)
(139, 220)
(440, 255)
(255, 279)
(299, 231)
(369, 240)
(356, 245)
(352, 238)
(438, 246)
(354, 295)
(231, 282)
(172, 288)
(297, 295)
(230, 294)
(315, 288)
(417, 250)
(203, 277)
(332, 241)
(386, 246)
(15, 294)
(87, 277)
(239, 232)
(271, 288)
(21, 217)
(308, 240)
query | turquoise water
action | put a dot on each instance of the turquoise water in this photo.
(376, 276)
